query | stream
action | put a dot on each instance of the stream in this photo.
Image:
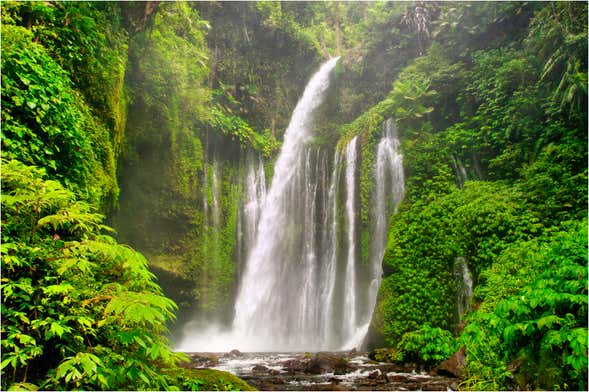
(322, 371)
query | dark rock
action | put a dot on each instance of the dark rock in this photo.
(327, 362)
(375, 374)
(328, 387)
(394, 367)
(267, 386)
(204, 361)
(258, 369)
(235, 353)
(293, 366)
(274, 372)
(275, 380)
(433, 387)
(453, 366)
(368, 383)
(398, 378)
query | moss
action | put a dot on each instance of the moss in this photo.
(217, 380)
(47, 122)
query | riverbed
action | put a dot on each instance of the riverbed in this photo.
(321, 371)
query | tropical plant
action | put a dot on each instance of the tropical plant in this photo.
(428, 345)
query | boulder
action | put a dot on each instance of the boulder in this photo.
(324, 362)
(293, 365)
(204, 360)
(453, 366)
(259, 369)
(398, 378)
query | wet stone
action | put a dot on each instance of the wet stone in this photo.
(260, 369)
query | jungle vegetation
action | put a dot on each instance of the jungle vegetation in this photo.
(114, 114)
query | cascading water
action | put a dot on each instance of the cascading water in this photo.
(460, 170)
(272, 299)
(390, 184)
(255, 195)
(329, 262)
(249, 214)
(465, 284)
(216, 208)
(350, 295)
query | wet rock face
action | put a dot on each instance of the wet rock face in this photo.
(453, 366)
(260, 369)
(234, 353)
(203, 360)
(323, 371)
(327, 362)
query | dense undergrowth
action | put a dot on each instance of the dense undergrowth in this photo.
(79, 310)
(494, 140)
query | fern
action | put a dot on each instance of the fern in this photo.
(72, 295)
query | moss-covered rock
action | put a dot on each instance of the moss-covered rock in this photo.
(217, 380)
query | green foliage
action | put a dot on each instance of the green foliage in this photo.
(46, 123)
(262, 55)
(239, 130)
(533, 319)
(558, 38)
(211, 265)
(80, 311)
(428, 345)
(217, 380)
(425, 238)
(280, 16)
(501, 96)
(387, 355)
(88, 42)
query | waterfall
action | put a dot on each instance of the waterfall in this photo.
(255, 192)
(329, 265)
(460, 170)
(389, 184)
(215, 190)
(301, 286)
(350, 295)
(276, 287)
(282, 296)
(464, 283)
(254, 187)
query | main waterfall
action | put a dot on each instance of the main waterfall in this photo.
(276, 307)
